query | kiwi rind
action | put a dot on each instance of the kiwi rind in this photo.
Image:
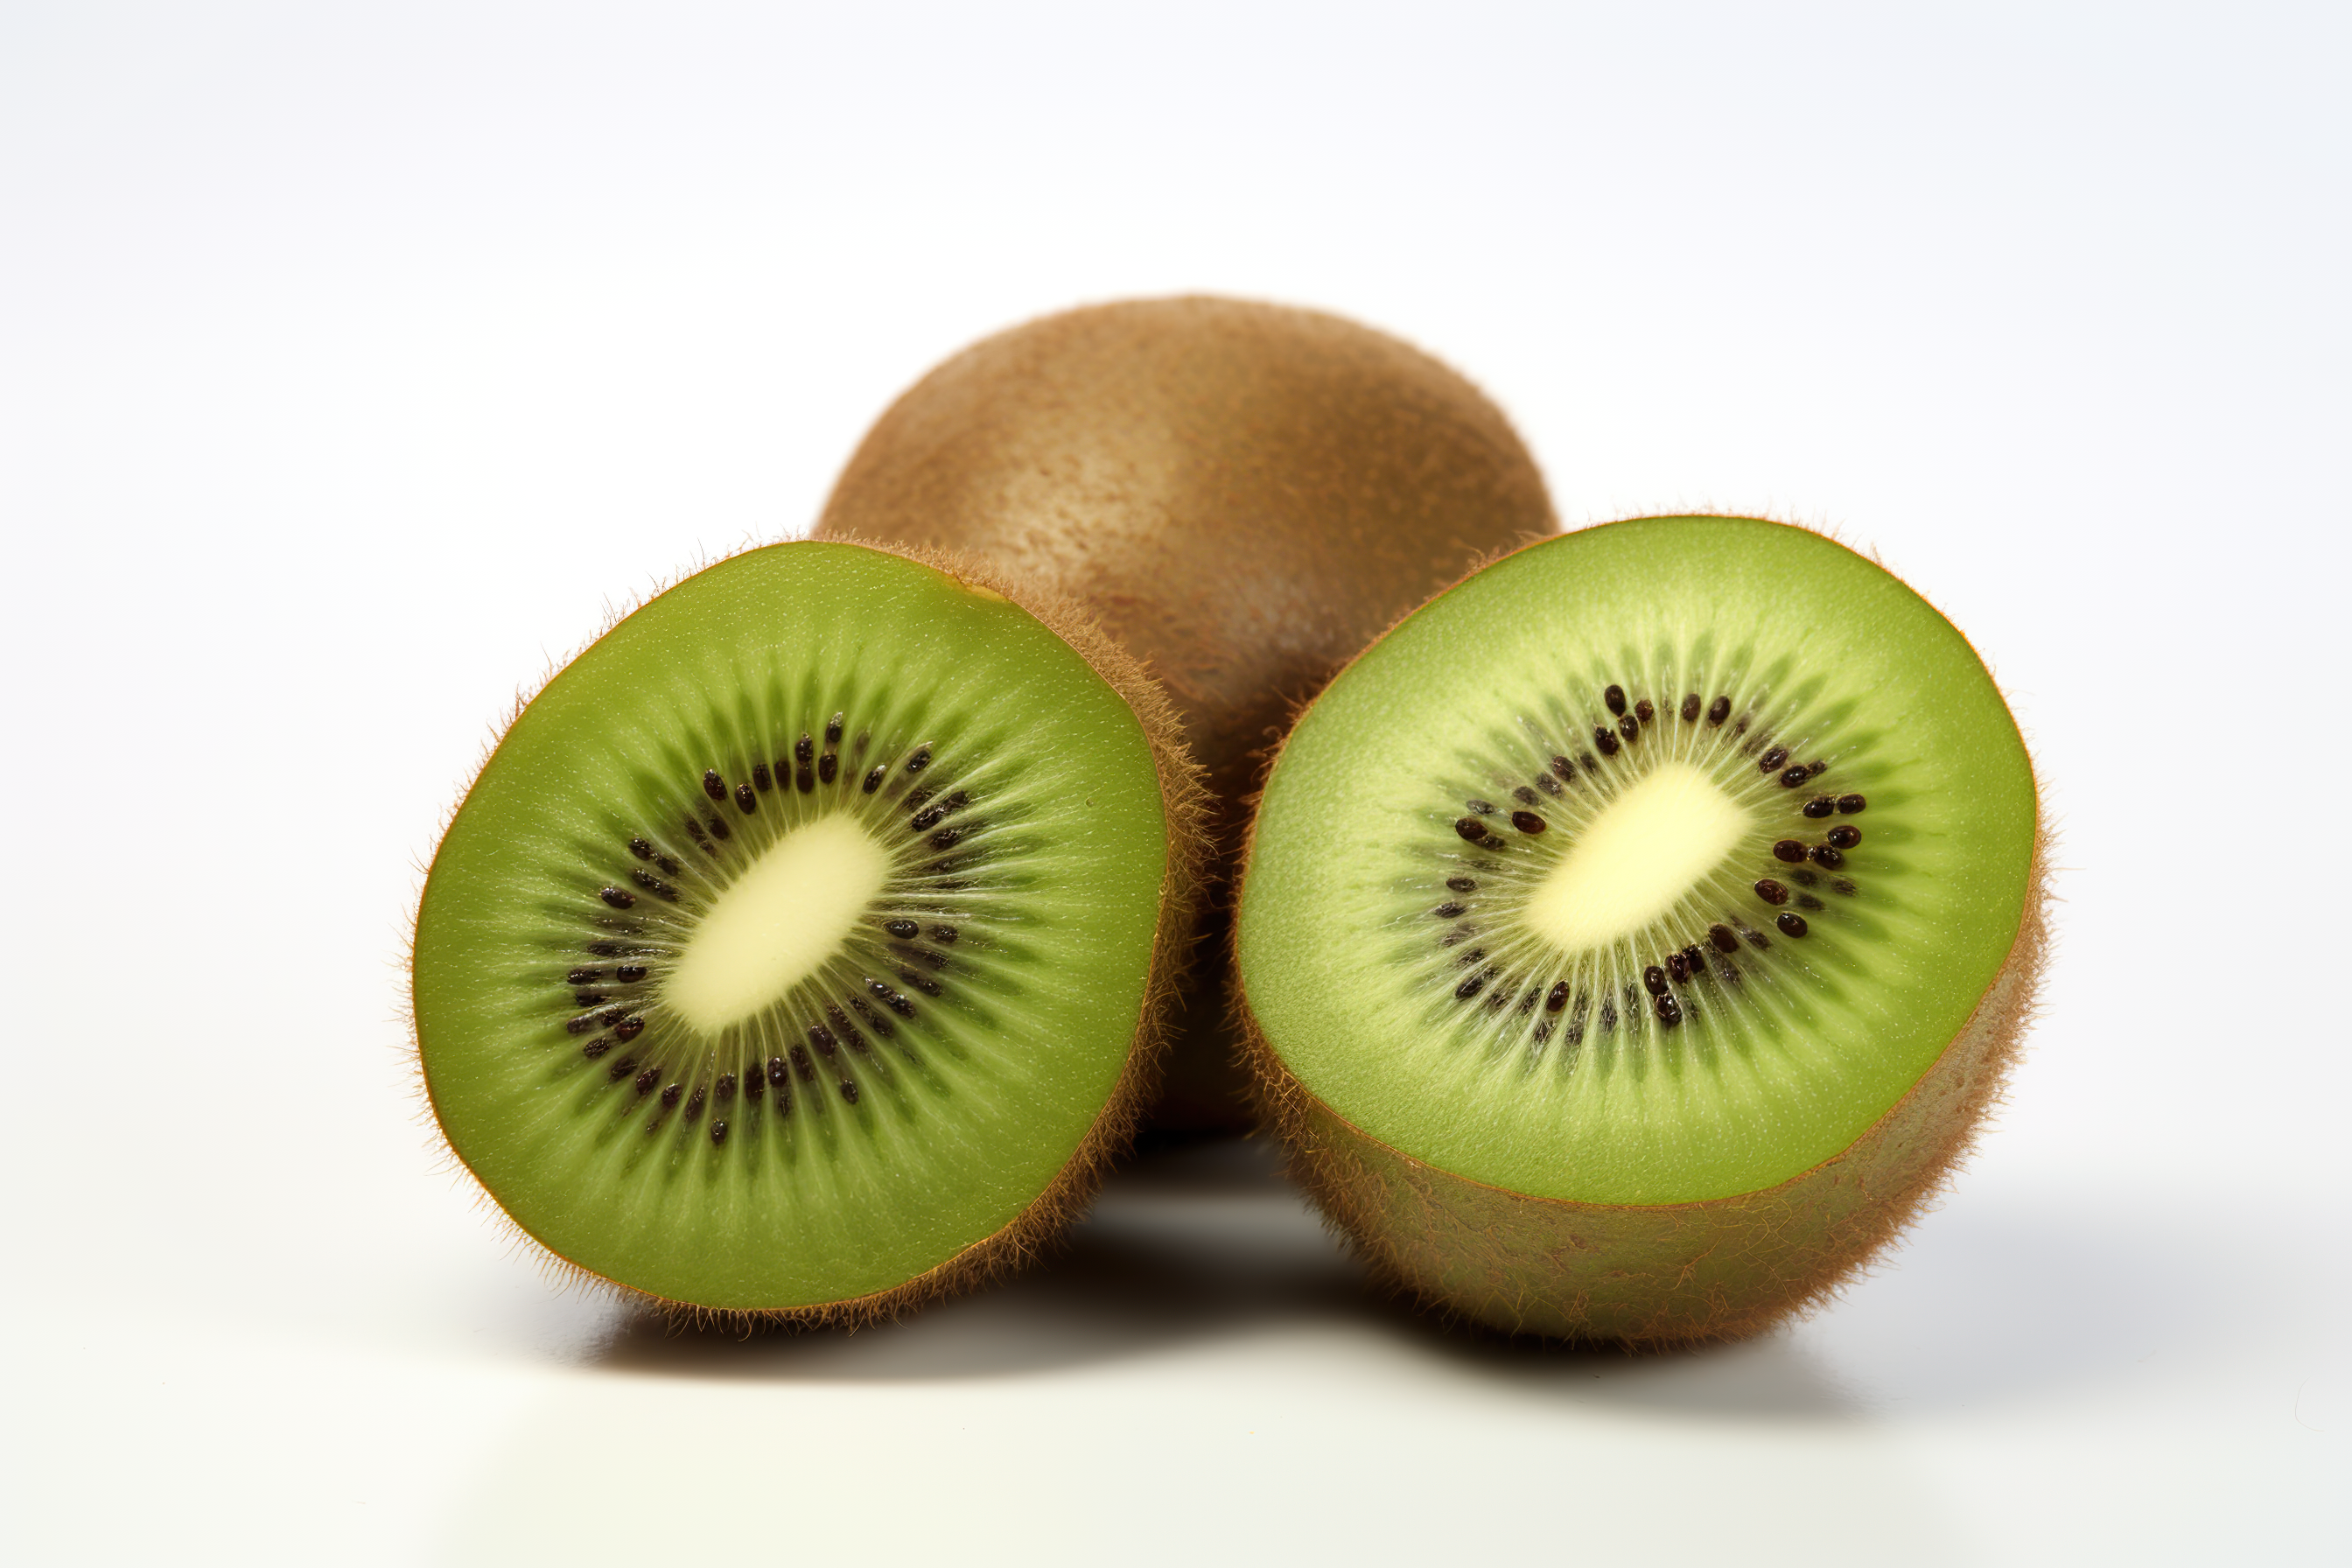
(1037, 1228)
(1639, 1275)
(1247, 493)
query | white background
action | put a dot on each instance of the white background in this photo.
(351, 359)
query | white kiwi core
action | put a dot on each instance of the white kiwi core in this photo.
(1634, 860)
(777, 922)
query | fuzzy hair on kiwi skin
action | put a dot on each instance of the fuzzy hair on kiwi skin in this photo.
(1476, 1257)
(1043, 1225)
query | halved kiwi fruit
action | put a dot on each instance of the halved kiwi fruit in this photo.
(801, 948)
(1247, 494)
(1633, 936)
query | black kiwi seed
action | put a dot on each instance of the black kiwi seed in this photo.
(1816, 768)
(947, 838)
(620, 898)
(1607, 1014)
(803, 1068)
(1795, 776)
(1802, 877)
(1548, 783)
(1772, 893)
(584, 977)
(1819, 806)
(828, 767)
(596, 1048)
(1529, 822)
(1629, 728)
(1556, 998)
(720, 830)
(1771, 760)
(1525, 796)
(629, 1028)
(725, 1089)
(1690, 709)
(1654, 979)
(669, 1096)
(1719, 711)
(873, 781)
(1483, 808)
(745, 800)
(753, 1082)
(1829, 856)
(822, 1038)
(920, 759)
(648, 1078)
(1842, 885)
(777, 1072)
(1470, 987)
(1844, 836)
(1563, 769)
(622, 1069)
(1458, 936)
(1677, 967)
(849, 1090)
(587, 998)
(629, 973)
(1789, 850)
(804, 748)
(718, 1133)
(1645, 711)
(1850, 804)
(654, 885)
(833, 731)
(1791, 923)
(1470, 828)
(1472, 956)
(1693, 961)
(694, 1103)
(903, 929)
(1755, 939)
(641, 849)
(760, 778)
(1723, 939)
(1670, 1012)
(1605, 738)
(889, 998)
(1463, 884)
(917, 796)
(1615, 697)
(1807, 901)
(943, 936)
(713, 785)
(1447, 911)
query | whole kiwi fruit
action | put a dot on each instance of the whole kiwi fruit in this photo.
(1247, 494)
(1634, 937)
(802, 949)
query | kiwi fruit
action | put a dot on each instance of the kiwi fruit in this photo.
(1634, 937)
(1246, 493)
(803, 948)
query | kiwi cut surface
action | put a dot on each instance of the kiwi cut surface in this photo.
(1247, 493)
(802, 947)
(1633, 936)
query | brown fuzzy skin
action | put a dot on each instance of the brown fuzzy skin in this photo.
(1037, 1229)
(1246, 493)
(1653, 1276)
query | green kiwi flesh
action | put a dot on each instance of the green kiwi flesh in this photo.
(1247, 493)
(1633, 936)
(799, 950)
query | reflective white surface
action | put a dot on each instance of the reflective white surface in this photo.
(352, 361)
